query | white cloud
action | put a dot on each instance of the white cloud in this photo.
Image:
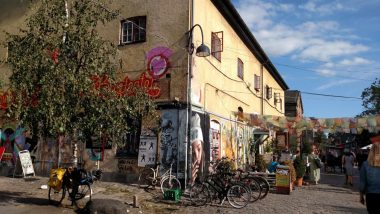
(309, 40)
(326, 72)
(355, 61)
(315, 6)
(325, 50)
(334, 83)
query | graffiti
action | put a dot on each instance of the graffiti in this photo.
(95, 154)
(128, 165)
(4, 100)
(128, 87)
(158, 61)
(168, 139)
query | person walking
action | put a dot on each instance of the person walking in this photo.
(315, 171)
(370, 179)
(348, 164)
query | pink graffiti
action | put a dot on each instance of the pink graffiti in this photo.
(158, 61)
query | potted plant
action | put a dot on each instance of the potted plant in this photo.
(300, 170)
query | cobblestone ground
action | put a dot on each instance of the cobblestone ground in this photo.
(330, 196)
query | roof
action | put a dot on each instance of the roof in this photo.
(291, 97)
(230, 13)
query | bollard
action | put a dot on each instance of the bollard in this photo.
(136, 201)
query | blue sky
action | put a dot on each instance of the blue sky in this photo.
(320, 46)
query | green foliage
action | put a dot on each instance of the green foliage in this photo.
(260, 163)
(293, 144)
(306, 148)
(268, 147)
(299, 167)
(54, 61)
(371, 99)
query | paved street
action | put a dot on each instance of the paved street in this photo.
(331, 196)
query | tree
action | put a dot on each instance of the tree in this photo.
(65, 75)
(371, 99)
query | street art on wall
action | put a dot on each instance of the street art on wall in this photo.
(147, 151)
(214, 140)
(196, 140)
(128, 166)
(169, 138)
(158, 61)
(127, 87)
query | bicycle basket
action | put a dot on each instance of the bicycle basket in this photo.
(56, 177)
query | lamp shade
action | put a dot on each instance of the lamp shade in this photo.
(202, 51)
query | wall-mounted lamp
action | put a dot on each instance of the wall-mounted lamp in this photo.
(202, 50)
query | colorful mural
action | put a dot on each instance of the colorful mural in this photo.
(197, 145)
(214, 141)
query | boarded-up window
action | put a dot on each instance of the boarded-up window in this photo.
(240, 70)
(257, 82)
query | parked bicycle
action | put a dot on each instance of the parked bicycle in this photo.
(149, 177)
(219, 185)
(77, 184)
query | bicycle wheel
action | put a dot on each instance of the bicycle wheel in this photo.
(199, 194)
(170, 183)
(254, 188)
(83, 195)
(238, 196)
(146, 178)
(264, 185)
(56, 196)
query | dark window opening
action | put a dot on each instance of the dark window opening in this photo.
(133, 30)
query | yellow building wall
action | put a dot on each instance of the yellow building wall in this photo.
(220, 90)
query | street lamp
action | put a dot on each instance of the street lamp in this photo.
(202, 50)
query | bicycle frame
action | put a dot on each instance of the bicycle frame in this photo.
(157, 176)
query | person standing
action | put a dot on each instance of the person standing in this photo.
(370, 179)
(315, 171)
(348, 164)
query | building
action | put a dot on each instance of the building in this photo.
(199, 98)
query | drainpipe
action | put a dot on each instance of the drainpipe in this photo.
(262, 88)
(189, 107)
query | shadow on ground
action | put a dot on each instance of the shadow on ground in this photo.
(19, 197)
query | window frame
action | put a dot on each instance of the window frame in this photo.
(257, 82)
(268, 92)
(133, 30)
(240, 68)
(217, 45)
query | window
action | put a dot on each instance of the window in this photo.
(268, 92)
(277, 98)
(217, 45)
(257, 82)
(240, 69)
(133, 30)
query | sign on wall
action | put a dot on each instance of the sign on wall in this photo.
(147, 151)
